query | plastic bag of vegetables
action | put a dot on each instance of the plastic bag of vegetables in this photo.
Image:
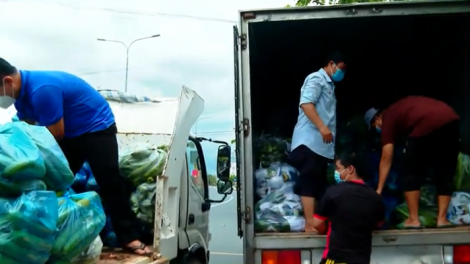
(20, 158)
(459, 209)
(270, 149)
(274, 178)
(14, 188)
(462, 176)
(143, 202)
(28, 226)
(92, 253)
(81, 178)
(427, 215)
(58, 176)
(142, 163)
(77, 212)
(280, 211)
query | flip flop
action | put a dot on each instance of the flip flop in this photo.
(142, 246)
(449, 225)
(402, 226)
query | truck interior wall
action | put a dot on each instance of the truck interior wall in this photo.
(390, 57)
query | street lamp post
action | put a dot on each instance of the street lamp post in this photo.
(197, 121)
(127, 51)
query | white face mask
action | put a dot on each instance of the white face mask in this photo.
(5, 100)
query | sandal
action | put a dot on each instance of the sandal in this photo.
(402, 226)
(142, 246)
(449, 225)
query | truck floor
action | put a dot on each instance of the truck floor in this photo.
(457, 229)
(115, 256)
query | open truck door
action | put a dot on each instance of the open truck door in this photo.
(162, 121)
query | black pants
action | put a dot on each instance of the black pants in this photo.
(437, 152)
(100, 150)
(312, 172)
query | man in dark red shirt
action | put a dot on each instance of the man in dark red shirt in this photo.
(432, 128)
(353, 211)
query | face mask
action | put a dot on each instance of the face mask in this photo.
(338, 176)
(338, 75)
(5, 100)
(379, 130)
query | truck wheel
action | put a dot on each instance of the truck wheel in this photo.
(194, 261)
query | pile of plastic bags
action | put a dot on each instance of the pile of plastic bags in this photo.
(82, 212)
(37, 223)
(22, 166)
(459, 209)
(28, 227)
(141, 164)
(85, 182)
(143, 202)
(278, 208)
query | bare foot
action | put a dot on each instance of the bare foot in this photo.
(410, 223)
(138, 248)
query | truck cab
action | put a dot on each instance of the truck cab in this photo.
(182, 202)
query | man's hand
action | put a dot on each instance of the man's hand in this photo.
(326, 134)
(379, 191)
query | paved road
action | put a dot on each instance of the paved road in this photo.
(225, 246)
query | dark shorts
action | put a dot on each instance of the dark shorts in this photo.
(312, 169)
(436, 153)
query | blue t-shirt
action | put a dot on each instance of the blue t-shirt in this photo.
(47, 96)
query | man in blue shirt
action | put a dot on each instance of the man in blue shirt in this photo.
(83, 124)
(313, 139)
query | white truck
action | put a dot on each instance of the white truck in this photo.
(182, 204)
(397, 49)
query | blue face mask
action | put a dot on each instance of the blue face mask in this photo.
(338, 75)
(378, 129)
(338, 177)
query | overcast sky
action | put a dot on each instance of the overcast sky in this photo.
(193, 50)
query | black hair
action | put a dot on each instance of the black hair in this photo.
(336, 57)
(357, 161)
(6, 68)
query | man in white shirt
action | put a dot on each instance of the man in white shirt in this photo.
(313, 139)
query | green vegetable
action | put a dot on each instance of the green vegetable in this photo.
(269, 221)
(82, 212)
(27, 228)
(14, 188)
(462, 176)
(427, 215)
(143, 202)
(142, 163)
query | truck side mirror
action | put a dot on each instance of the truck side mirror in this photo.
(224, 187)
(223, 162)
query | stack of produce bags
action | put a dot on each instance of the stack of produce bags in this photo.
(459, 207)
(141, 164)
(91, 255)
(22, 166)
(33, 172)
(278, 208)
(81, 219)
(28, 227)
(85, 181)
